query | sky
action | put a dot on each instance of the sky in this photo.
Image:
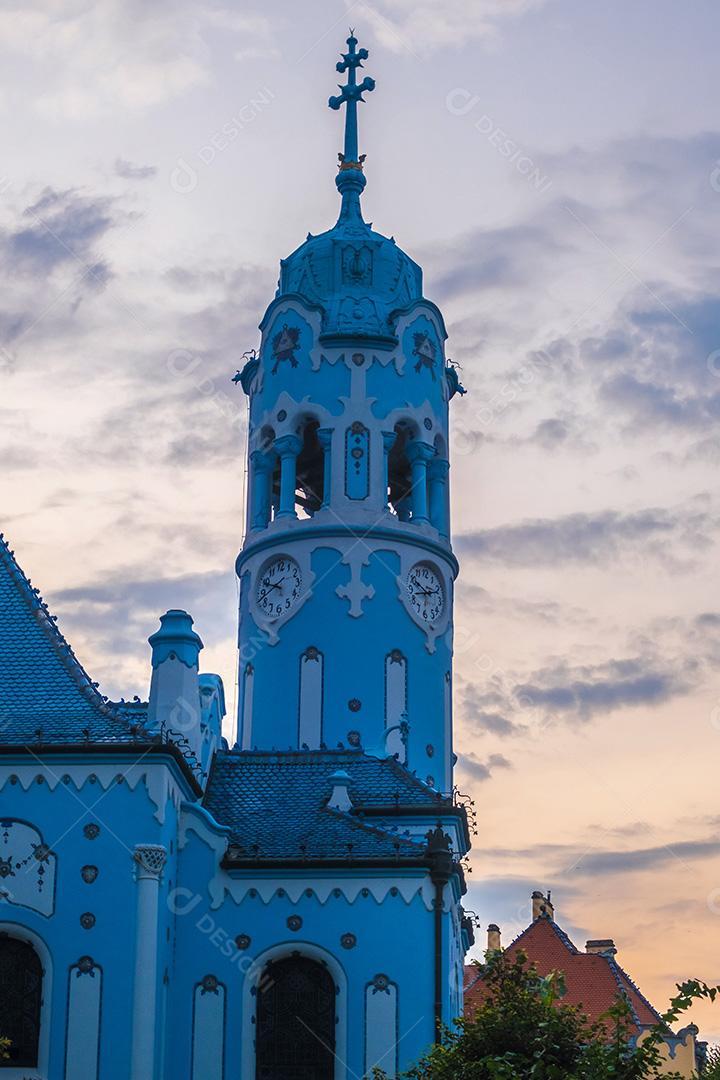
(554, 165)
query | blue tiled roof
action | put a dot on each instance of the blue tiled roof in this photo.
(46, 696)
(275, 804)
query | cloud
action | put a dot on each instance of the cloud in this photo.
(92, 58)
(590, 537)
(427, 25)
(128, 171)
(117, 615)
(482, 602)
(482, 770)
(61, 227)
(584, 691)
(577, 860)
(476, 709)
(600, 863)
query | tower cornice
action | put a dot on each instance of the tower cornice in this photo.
(284, 537)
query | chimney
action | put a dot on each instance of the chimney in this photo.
(601, 947)
(339, 798)
(174, 706)
(542, 906)
(494, 942)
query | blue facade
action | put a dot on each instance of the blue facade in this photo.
(175, 907)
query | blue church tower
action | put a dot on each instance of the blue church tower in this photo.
(288, 908)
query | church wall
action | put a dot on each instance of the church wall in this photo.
(90, 829)
(227, 926)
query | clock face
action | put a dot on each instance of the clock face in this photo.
(278, 587)
(426, 592)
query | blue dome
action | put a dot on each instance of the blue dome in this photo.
(358, 277)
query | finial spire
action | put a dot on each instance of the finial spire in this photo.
(349, 95)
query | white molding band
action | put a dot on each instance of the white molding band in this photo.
(160, 785)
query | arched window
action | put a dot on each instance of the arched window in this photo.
(399, 473)
(310, 471)
(295, 1037)
(20, 1001)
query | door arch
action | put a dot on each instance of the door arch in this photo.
(295, 1020)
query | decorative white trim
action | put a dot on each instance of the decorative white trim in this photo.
(160, 785)
(31, 886)
(17, 930)
(252, 980)
(307, 314)
(356, 591)
(293, 888)
(195, 818)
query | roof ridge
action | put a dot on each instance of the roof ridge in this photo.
(290, 752)
(48, 624)
(564, 937)
(569, 945)
(402, 769)
(373, 830)
(619, 970)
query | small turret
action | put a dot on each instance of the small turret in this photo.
(174, 710)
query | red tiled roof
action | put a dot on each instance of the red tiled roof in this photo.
(593, 980)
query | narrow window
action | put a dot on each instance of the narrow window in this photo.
(310, 710)
(381, 1026)
(395, 702)
(448, 732)
(247, 706)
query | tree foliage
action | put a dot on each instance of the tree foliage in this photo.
(524, 1031)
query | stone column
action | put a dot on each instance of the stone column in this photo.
(419, 453)
(287, 447)
(262, 468)
(438, 474)
(389, 438)
(149, 863)
(325, 439)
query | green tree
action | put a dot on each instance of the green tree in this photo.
(523, 1031)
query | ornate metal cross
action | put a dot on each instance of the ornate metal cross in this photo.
(350, 95)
